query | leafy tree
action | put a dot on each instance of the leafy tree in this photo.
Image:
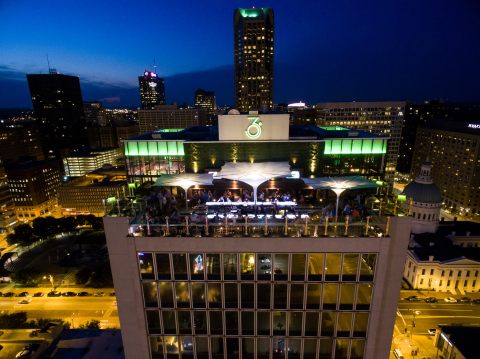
(26, 276)
(14, 321)
(44, 321)
(22, 234)
(93, 324)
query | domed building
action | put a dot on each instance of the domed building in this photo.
(424, 201)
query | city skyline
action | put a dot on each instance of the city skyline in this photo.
(415, 52)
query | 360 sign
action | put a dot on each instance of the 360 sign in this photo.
(254, 130)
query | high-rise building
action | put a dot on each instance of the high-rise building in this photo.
(170, 116)
(83, 161)
(253, 46)
(94, 114)
(7, 209)
(382, 118)
(205, 100)
(19, 140)
(152, 90)
(58, 107)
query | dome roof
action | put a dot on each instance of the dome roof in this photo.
(423, 192)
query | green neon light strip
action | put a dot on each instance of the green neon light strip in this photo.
(252, 12)
(154, 148)
(165, 130)
(334, 128)
(355, 146)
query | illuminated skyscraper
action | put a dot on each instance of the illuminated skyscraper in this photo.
(253, 46)
(152, 90)
(205, 100)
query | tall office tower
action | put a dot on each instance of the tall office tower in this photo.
(58, 107)
(152, 90)
(94, 113)
(205, 100)
(382, 118)
(169, 116)
(7, 209)
(253, 46)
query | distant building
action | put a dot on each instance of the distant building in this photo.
(94, 114)
(88, 160)
(33, 186)
(253, 55)
(457, 341)
(111, 136)
(445, 261)
(20, 140)
(87, 194)
(382, 118)
(152, 90)
(170, 116)
(7, 208)
(205, 100)
(58, 107)
(453, 148)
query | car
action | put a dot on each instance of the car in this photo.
(99, 294)
(431, 300)
(24, 353)
(23, 294)
(9, 294)
(25, 301)
(112, 294)
(69, 294)
(39, 294)
(413, 298)
(450, 300)
(54, 293)
(476, 301)
(465, 300)
(432, 331)
(84, 294)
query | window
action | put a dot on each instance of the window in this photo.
(163, 266)
(431, 271)
(440, 283)
(468, 273)
(423, 271)
(465, 283)
(443, 273)
(145, 262)
(448, 283)
(459, 273)
(421, 281)
(315, 266)
(450, 273)
(150, 294)
(230, 266)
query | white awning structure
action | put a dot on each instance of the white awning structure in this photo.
(184, 180)
(254, 174)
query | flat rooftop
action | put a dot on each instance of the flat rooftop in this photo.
(464, 338)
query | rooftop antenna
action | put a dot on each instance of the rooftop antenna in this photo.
(50, 70)
(154, 65)
(48, 62)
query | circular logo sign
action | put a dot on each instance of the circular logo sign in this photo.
(254, 130)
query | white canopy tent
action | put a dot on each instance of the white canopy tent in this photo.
(185, 181)
(339, 184)
(254, 174)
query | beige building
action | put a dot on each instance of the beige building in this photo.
(83, 162)
(170, 116)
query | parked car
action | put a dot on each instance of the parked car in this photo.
(9, 294)
(39, 294)
(432, 331)
(69, 294)
(476, 301)
(84, 294)
(431, 300)
(465, 300)
(450, 300)
(413, 298)
(112, 294)
(23, 294)
(99, 294)
(25, 301)
(54, 293)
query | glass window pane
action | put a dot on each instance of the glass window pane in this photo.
(279, 347)
(200, 321)
(344, 324)
(280, 269)
(231, 322)
(202, 346)
(279, 323)
(309, 349)
(330, 292)
(231, 295)
(311, 323)
(264, 267)
(248, 295)
(315, 266)
(181, 294)
(295, 323)
(357, 349)
(332, 266)
(153, 321)
(298, 267)
(168, 318)
(184, 322)
(294, 348)
(145, 262)
(326, 346)
(367, 267)
(247, 323)
(280, 296)
(212, 266)
(360, 326)
(350, 265)
(197, 266)
(179, 266)
(150, 294)
(328, 323)
(233, 350)
(156, 347)
(247, 265)
(166, 294)
(347, 292)
(216, 322)
(314, 293)
(171, 345)
(263, 323)
(230, 266)
(214, 295)
(364, 296)
(248, 348)
(263, 348)
(163, 266)
(186, 347)
(296, 296)
(216, 343)
(341, 348)
(263, 296)
(198, 295)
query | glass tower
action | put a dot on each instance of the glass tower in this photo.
(152, 90)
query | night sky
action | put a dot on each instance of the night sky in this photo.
(324, 50)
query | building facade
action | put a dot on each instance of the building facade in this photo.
(381, 118)
(218, 297)
(253, 58)
(152, 90)
(170, 116)
(85, 161)
(205, 100)
(7, 209)
(20, 140)
(58, 107)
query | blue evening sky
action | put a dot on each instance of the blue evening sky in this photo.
(324, 50)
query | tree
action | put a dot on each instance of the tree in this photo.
(26, 276)
(93, 324)
(22, 235)
(14, 321)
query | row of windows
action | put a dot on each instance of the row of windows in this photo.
(296, 323)
(341, 296)
(443, 272)
(261, 348)
(262, 266)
